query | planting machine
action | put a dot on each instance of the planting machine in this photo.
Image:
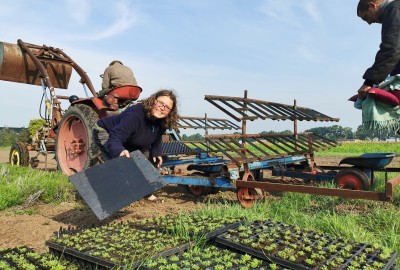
(244, 157)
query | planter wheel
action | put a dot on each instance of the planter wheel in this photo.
(352, 178)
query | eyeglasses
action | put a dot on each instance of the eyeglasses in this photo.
(162, 105)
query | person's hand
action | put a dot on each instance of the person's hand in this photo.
(157, 161)
(124, 153)
(363, 91)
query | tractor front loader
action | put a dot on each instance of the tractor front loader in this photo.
(66, 133)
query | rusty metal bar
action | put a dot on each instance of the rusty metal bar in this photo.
(344, 193)
(252, 109)
(203, 123)
(56, 111)
(390, 185)
(260, 146)
(84, 77)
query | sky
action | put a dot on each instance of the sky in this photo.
(311, 51)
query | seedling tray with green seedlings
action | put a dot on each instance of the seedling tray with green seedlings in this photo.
(303, 249)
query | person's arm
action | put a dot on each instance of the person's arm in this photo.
(121, 133)
(106, 79)
(389, 50)
(156, 150)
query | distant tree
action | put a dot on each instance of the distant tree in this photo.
(24, 136)
(334, 132)
(7, 137)
(276, 132)
(362, 134)
(381, 135)
(194, 137)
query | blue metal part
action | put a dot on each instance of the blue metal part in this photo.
(199, 181)
(267, 164)
(206, 168)
(210, 161)
(370, 160)
(221, 181)
(303, 175)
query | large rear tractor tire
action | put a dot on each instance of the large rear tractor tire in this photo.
(75, 147)
(19, 154)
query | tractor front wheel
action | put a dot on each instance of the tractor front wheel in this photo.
(352, 178)
(75, 147)
(19, 154)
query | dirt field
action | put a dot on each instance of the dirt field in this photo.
(35, 228)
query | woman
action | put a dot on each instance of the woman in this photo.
(139, 127)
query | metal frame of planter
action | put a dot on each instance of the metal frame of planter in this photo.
(250, 152)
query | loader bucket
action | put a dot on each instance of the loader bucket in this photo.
(17, 66)
(110, 186)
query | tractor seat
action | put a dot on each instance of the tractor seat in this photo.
(126, 92)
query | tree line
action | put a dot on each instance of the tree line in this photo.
(8, 136)
(335, 132)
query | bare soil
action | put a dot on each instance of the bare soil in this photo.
(34, 226)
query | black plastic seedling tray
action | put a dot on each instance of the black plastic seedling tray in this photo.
(283, 244)
(25, 258)
(87, 261)
(210, 257)
(195, 222)
(114, 246)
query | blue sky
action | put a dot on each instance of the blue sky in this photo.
(314, 51)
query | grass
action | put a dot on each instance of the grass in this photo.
(18, 183)
(361, 147)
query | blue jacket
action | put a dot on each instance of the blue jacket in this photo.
(131, 130)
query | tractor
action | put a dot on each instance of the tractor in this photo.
(66, 133)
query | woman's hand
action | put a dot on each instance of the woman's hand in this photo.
(125, 153)
(157, 161)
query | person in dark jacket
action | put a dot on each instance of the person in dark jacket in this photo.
(387, 59)
(139, 127)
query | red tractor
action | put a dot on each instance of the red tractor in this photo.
(67, 133)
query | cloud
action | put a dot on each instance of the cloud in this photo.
(126, 18)
(123, 18)
(291, 13)
(312, 10)
(78, 10)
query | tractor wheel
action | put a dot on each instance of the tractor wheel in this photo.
(75, 147)
(34, 161)
(19, 154)
(352, 178)
(248, 196)
(198, 190)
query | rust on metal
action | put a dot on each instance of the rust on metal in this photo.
(252, 109)
(266, 146)
(344, 193)
(390, 186)
(16, 65)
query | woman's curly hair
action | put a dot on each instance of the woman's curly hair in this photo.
(171, 120)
